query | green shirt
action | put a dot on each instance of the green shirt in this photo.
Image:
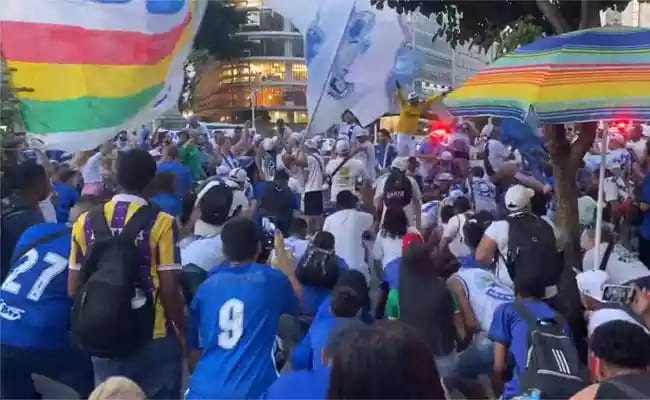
(191, 157)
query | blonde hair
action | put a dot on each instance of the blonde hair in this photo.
(117, 388)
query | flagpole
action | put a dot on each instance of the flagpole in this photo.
(329, 72)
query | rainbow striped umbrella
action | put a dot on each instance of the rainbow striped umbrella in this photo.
(587, 75)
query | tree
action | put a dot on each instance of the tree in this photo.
(215, 40)
(512, 22)
(9, 103)
(482, 23)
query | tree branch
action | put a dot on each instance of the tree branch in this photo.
(584, 142)
(554, 16)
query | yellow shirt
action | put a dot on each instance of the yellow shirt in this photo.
(409, 116)
(158, 245)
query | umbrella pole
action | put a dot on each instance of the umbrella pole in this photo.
(599, 210)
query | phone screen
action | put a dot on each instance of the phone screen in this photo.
(618, 294)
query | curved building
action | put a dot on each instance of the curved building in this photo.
(271, 73)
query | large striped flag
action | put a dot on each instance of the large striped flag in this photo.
(95, 66)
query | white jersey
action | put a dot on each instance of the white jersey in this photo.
(485, 294)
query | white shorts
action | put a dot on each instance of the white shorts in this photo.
(405, 145)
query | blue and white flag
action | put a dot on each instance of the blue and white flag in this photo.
(354, 55)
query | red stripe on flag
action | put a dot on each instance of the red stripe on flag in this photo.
(64, 44)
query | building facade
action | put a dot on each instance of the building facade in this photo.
(271, 75)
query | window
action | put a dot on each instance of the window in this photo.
(299, 72)
(269, 71)
(275, 115)
(297, 48)
(300, 117)
(271, 21)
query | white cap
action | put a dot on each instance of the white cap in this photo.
(328, 145)
(400, 163)
(413, 96)
(311, 144)
(645, 130)
(342, 147)
(296, 136)
(361, 133)
(257, 138)
(268, 144)
(445, 176)
(446, 156)
(591, 283)
(223, 170)
(518, 197)
(456, 193)
(238, 175)
(605, 315)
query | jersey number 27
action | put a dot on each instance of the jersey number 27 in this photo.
(55, 264)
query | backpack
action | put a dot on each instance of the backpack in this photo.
(398, 191)
(113, 310)
(552, 366)
(318, 267)
(276, 200)
(531, 245)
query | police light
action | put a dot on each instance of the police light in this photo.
(621, 126)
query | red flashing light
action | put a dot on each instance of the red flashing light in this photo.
(439, 128)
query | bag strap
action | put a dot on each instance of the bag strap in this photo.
(345, 160)
(383, 165)
(608, 253)
(138, 221)
(320, 165)
(529, 318)
(43, 239)
(629, 391)
(98, 223)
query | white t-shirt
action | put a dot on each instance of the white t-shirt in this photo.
(614, 189)
(387, 248)
(409, 209)
(367, 156)
(605, 315)
(91, 171)
(347, 226)
(206, 250)
(346, 177)
(315, 171)
(295, 246)
(484, 293)
(454, 231)
(587, 210)
(622, 266)
(498, 153)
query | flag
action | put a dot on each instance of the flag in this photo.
(355, 53)
(95, 67)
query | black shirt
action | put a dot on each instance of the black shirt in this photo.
(427, 305)
(16, 218)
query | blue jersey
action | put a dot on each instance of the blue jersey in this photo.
(308, 354)
(34, 303)
(233, 321)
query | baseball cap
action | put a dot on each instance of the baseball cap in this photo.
(446, 156)
(311, 144)
(591, 283)
(410, 239)
(238, 175)
(342, 147)
(400, 163)
(518, 197)
(413, 96)
(268, 143)
(361, 133)
(444, 176)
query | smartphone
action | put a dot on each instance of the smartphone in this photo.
(618, 294)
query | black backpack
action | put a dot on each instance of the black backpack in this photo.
(552, 365)
(398, 191)
(276, 200)
(531, 245)
(113, 310)
(318, 267)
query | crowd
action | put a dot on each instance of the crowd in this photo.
(384, 265)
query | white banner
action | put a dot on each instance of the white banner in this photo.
(354, 55)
